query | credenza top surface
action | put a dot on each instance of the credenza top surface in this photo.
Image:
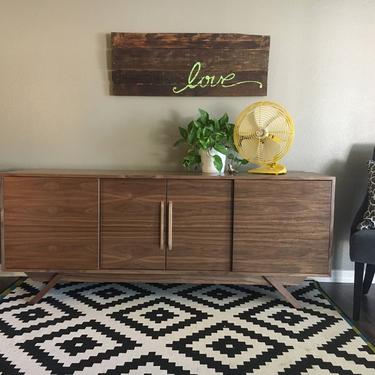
(292, 175)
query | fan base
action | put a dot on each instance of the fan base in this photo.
(269, 169)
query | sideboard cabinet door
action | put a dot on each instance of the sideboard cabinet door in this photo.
(282, 226)
(200, 224)
(50, 223)
(132, 230)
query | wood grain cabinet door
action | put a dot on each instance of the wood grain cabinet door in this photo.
(132, 230)
(282, 226)
(201, 225)
(50, 223)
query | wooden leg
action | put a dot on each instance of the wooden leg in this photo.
(51, 283)
(40, 276)
(369, 275)
(283, 291)
(358, 289)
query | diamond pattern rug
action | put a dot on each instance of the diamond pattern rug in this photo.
(150, 329)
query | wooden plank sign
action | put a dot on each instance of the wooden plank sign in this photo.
(189, 64)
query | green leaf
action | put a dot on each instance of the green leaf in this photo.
(190, 126)
(197, 124)
(203, 116)
(218, 163)
(237, 160)
(181, 140)
(221, 148)
(224, 119)
(216, 125)
(186, 163)
(191, 160)
(183, 132)
(192, 135)
(204, 144)
(191, 152)
(199, 133)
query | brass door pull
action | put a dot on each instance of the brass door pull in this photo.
(162, 216)
(170, 224)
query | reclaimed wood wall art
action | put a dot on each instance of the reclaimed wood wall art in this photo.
(189, 64)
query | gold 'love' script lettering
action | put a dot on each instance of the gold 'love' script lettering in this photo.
(194, 80)
(189, 64)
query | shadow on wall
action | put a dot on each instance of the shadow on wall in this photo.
(351, 186)
(166, 135)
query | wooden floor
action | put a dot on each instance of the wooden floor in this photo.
(6, 281)
(341, 294)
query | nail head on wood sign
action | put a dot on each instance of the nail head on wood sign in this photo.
(189, 64)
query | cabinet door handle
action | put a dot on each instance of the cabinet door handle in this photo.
(170, 224)
(162, 217)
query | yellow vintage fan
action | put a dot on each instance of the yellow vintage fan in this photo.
(263, 134)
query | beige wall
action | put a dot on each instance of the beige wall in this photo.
(55, 110)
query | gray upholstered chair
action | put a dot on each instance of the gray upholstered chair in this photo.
(362, 252)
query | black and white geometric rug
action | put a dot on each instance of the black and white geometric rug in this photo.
(139, 329)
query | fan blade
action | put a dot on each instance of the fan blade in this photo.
(271, 150)
(251, 118)
(275, 138)
(248, 125)
(248, 148)
(281, 132)
(257, 116)
(279, 125)
(279, 135)
(271, 120)
(246, 137)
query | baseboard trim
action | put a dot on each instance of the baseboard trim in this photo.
(338, 276)
(12, 274)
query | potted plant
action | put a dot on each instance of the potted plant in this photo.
(210, 142)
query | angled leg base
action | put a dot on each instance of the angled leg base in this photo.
(51, 283)
(283, 291)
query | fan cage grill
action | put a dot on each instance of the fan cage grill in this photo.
(264, 133)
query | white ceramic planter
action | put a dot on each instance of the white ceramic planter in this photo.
(208, 161)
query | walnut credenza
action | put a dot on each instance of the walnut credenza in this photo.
(166, 227)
